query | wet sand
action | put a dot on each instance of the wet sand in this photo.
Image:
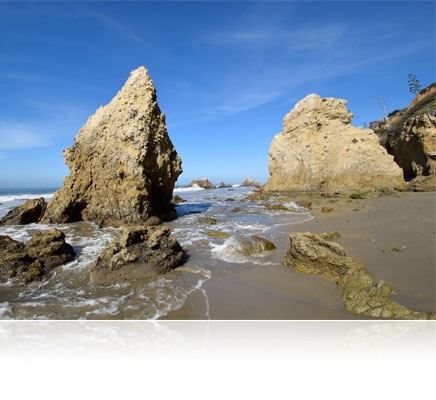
(393, 236)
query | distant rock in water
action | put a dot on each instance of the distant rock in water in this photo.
(318, 150)
(29, 212)
(223, 185)
(123, 164)
(250, 182)
(203, 183)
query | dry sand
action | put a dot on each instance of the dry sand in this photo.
(393, 236)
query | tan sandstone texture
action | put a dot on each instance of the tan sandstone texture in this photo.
(123, 164)
(318, 150)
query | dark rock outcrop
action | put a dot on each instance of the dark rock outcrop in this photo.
(141, 252)
(123, 164)
(410, 136)
(29, 212)
(414, 147)
(312, 254)
(26, 263)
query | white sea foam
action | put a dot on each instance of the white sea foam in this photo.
(68, 294)
(24, 197)
(193, 188)
(5, 310)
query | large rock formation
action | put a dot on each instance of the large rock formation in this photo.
(319, 150)
(26, 263)
(312, 254)
(123, 164)
(141, 252)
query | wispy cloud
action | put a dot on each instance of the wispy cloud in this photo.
(305, 38)
(105, 20)
(243, 102)
(116, 25)
(14, 136)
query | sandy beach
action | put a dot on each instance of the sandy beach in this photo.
(393, 236)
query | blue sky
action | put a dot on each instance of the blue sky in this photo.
(225, 72)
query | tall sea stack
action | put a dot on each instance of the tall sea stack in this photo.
(123, 164)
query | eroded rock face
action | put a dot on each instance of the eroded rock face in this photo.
(414, 149)
(312, 254)
(29, 212)
(141, 252)
(26, 263)
(318, 150)
(123, 164)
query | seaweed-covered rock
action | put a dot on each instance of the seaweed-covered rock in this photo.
(311, 254)
(140, 252)
(29, 212)
(16, 264)
(26, 263)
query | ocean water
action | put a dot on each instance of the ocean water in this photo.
(68, 294)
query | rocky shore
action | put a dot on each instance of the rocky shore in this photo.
(124, 167)
(391, 238)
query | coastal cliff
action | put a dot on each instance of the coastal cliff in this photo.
(123, 164)
(319, 151)
(410, 136)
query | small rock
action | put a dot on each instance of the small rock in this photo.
(208, 220)
(141, 252)
(30, 212)
(217, 234)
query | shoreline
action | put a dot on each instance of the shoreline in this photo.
(393, 236)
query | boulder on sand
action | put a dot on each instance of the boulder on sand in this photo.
(123, 164)
(312, 254)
